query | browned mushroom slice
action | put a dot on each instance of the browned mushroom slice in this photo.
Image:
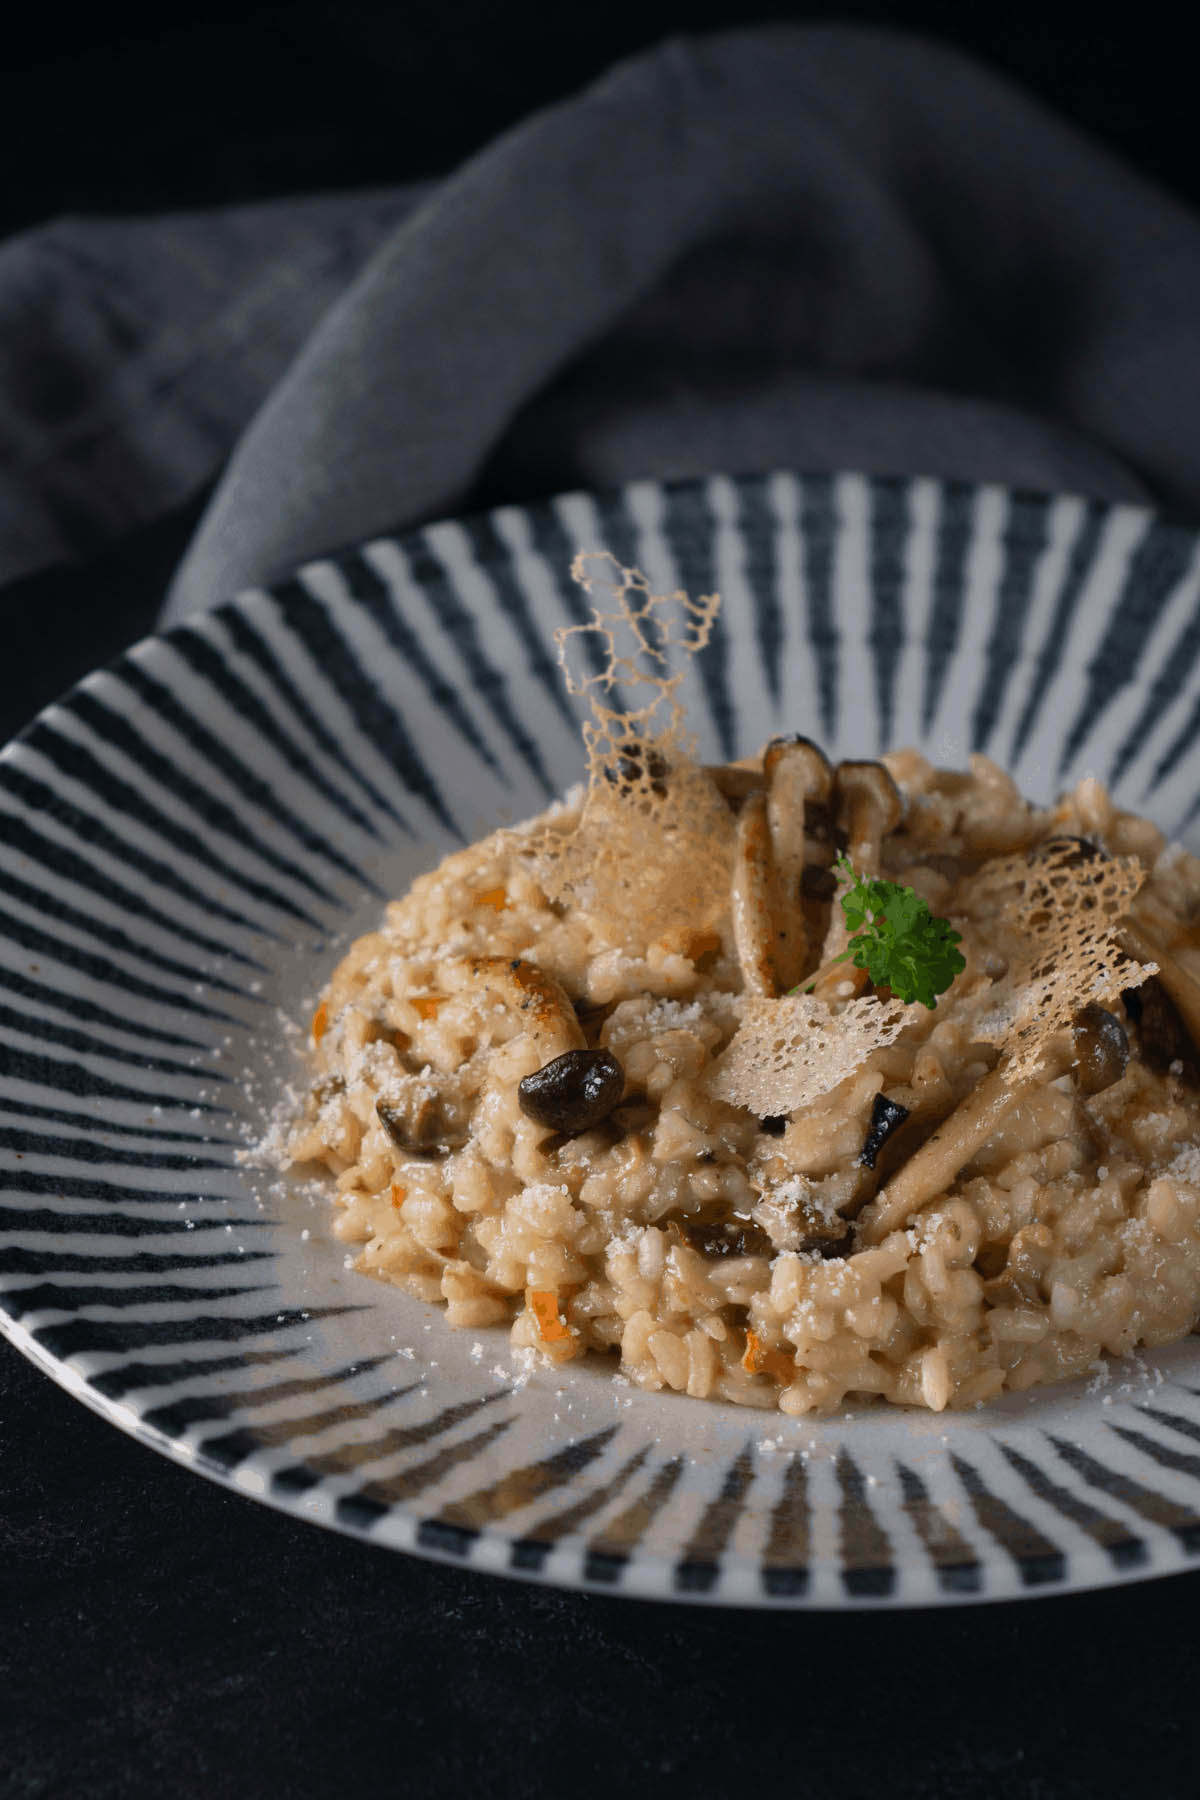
(755, 901)
(1096, 1049)
(931, 1169)
(1163, 1037)
(798, 778)
(1143, 941)
(869, 805)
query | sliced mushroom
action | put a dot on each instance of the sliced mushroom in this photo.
(755, 901)
(1143, 941)
(869, 805)
(1163, 1037)
(931, 1169)
(798, 778)
(1095, 1047)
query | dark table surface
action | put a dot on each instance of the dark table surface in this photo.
(159, 1635)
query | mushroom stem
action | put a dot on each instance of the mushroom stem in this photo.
(798, 776)
(754, 899)
(1182, 986)
(931, 1169)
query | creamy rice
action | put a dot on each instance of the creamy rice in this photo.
(723, 1255)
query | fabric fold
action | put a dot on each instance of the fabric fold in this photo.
(788, 246)
(813, 247)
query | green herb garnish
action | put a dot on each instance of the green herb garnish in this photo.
(896, 939)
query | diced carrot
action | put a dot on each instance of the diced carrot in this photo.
(543, 1304)
(426, 1005)
(759, 1361)
(496, 898)
(320, 1022)
(398, 1194)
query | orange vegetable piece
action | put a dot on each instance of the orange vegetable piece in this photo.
(426, 1005)
(496, 898)
(758, 1361)
(398, 1194)
(543, 1304)
(320, 1022)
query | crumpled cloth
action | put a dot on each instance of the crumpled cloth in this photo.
(814, 247)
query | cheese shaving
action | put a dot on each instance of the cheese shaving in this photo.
(650, 852)
(789, 1052)
(1066, 907)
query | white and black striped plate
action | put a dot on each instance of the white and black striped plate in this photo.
(192, 836)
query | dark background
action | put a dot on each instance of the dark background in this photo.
(161, 1636)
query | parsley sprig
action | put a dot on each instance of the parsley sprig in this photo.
(896, 939)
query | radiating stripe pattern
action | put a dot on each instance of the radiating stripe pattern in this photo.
(191, 838)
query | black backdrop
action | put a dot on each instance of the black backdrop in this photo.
(161, 1636)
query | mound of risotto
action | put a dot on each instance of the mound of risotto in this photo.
(651, 1076)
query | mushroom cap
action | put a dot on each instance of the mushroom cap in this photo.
(803, 761)
(858, 783)
(1101, 1049)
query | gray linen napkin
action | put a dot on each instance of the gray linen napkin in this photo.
(808, 246)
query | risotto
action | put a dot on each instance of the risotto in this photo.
(602, 1078)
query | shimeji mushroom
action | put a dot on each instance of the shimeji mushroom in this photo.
(755, 901)
(1095, 1047)
(798, 777)
(768, 871)
(1181, 985)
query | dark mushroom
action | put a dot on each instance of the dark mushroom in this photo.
(726, 1237)
(886, 1116)
(1144, 942)
(1162, 1035)
(422, 1127)
(574, 1092)
(1101, 1049)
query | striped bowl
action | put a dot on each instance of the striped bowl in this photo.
(194, 834)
